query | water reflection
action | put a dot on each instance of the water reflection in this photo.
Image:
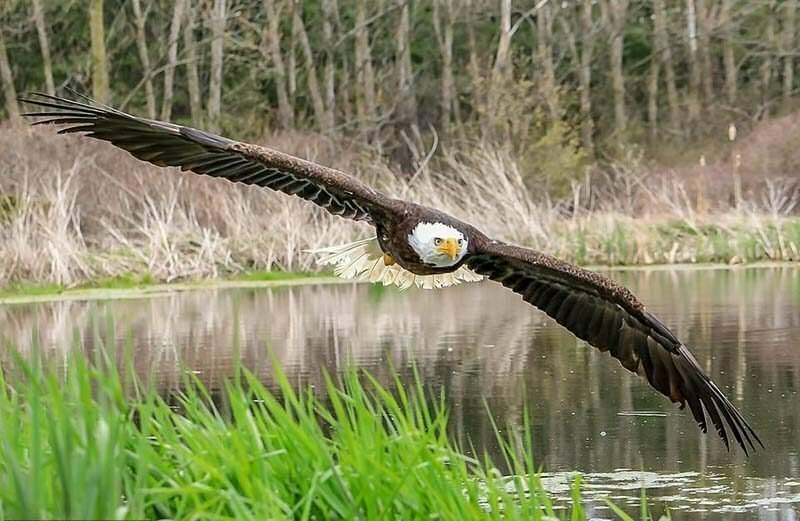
(481, 342)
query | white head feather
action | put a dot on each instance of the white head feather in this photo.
(426, 237)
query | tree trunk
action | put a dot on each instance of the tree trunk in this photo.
(706, 23)
(443, 27)
(502, 72)
(172, 59)
(311, 71)
(144, 57)
(544, 57)
(765, 72)
(582, 59)
(665, 57)
(291, 59)
(365, 76)
(407, 103)
(502, 61)
(330, 66)
(100, 89)
(790, 11)
(345, 88)
(652, 92)
(8, 81)
(285, 111)
(476, 78)
(728, 58)
(693, 95)
(587, 48)
(44, 45)
(614, 15)
(215, 80)
(192, 78)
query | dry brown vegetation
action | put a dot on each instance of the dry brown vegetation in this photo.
(74, 210)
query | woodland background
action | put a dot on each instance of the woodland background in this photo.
(606, 131)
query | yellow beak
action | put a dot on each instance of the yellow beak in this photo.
(449, 247)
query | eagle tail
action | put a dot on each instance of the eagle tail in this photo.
(364, 260)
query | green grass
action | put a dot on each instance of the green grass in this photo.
(130, 281)
(277, 275)
(31, 289)
(89, 442)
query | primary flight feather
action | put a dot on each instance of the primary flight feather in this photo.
(417, 245)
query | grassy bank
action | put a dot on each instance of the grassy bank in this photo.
(75, 211)
(91, 444)
(146, 283)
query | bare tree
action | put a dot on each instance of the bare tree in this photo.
(407, 103)
(44, 45)
(476, 77)
(693, 95)
(311, 71)
(614, 16)
(708, 17)
(172, 58)
(765, 70)
(544, 58)
(365, 75)
(273, 37)
(144, 57)
(215, 80)
(502, 71)
(291, 59)
(502, 61)
(585, 75)
(443, 27)
(8, 81)
(664, 52)
(582, 57)
(787, 48)
(192, 78)
(100, 88)
(346, 87)
(330, 65)
(652, 91)
(729, 60)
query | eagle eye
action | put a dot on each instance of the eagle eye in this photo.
(461, 242)
(437, 241)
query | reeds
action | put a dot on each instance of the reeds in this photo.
(75, 210)
(90, 442)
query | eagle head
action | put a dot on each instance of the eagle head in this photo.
(437, 244)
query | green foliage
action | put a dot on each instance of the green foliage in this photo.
(555, 160)
(96, 443)
(249, 89)
(131, 281)
(9, 205)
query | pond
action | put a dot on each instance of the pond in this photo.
(485, 349)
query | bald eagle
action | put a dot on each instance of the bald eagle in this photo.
(417, 245)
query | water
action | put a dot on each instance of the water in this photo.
(486, 348)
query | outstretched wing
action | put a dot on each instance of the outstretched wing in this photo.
(610, 318)
(167, 144)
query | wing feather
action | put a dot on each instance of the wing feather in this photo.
(610, 318)
(167, 144)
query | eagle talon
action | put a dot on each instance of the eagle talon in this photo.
(388, 260)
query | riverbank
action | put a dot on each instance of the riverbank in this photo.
(134, 287)
(137, 287)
